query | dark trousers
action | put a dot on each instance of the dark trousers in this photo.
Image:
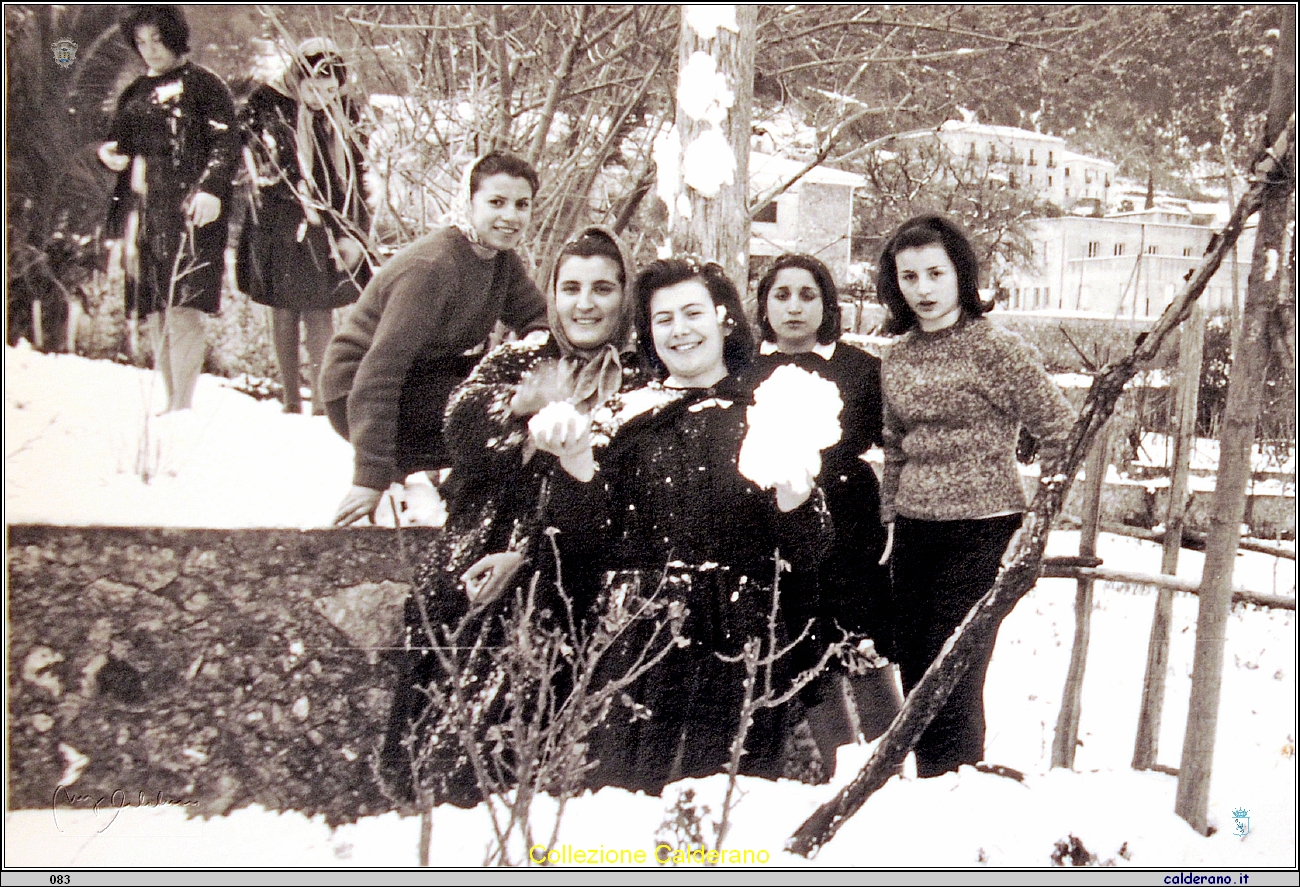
(939, 570)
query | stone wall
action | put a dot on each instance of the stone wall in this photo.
(211, 668)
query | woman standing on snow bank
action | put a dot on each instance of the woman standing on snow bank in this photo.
(799, 319)
(498, 481)
(302, 251)
(668, 502)
(957, 390)
(174, 146)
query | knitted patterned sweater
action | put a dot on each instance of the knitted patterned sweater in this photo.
(954, 402)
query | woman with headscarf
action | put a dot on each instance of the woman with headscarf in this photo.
(420, 326)
(303, 248)
(493, 545)
(174, 146)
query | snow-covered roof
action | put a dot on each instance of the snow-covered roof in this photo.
(988, 130)
(1072, 157)
(766, 170)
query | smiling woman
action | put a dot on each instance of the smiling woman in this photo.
(419, 327)
(668, 508)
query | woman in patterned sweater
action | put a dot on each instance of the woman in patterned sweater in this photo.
(957, 389)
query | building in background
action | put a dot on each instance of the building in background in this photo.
(814, 215)
(1128, 264)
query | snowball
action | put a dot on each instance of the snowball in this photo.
(666, 153)
(709, 163)
(794, 417)
(702, 90)
(706, 20)
(551, 415)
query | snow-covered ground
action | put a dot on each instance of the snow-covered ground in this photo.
(72, 442)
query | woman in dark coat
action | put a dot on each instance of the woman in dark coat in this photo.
(799, 319)
(303, 247)
(670, 517)
(497, 492)
(174, 145)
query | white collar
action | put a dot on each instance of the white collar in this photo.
(823, 351)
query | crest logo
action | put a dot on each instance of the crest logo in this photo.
(1241, 822)
(65, 52)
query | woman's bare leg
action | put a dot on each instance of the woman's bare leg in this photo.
(320, 328)
(186, 352)
(285, 332)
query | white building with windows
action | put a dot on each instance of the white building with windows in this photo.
(814, 215)
(1028, 159)
(1125, 265)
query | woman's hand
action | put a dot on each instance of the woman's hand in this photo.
(360, 502)
(790, 494)
(112, 158)
(889, 543)
(565, 434)
(203, 209)
(347, 253)
(537, 388)
(490, 574)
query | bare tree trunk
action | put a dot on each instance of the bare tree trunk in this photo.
(1020, 574)
(1146, 746)
(717, 227)
(1245, 394)
(1067, 722)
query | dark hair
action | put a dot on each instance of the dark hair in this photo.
(829, 330)
(497, 162)
(914, 234)
(173, 30)
(737, 349)
(593, 243)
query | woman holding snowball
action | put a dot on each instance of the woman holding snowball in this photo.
(493, 533)
(668, 512)
(799, 319)
(957, 390)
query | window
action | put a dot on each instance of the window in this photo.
(1094, 248)
(1187, 251)
(1011, 180)
(1032, 161)
(1031, 179)
(1119, 249)
(1049, 181)
(767, 213)
(1151, 251)
(1087, 177)
(972, 151)
(1107, 180)
(1067, 172)
(1051, 160)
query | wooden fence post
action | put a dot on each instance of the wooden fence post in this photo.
(1067, 722)
(1187, 382)
(1273, 243)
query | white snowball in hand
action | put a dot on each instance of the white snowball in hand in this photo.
(794, 417)
(552, 415)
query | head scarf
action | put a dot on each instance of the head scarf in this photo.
(588, 378)
(458, 214)
(323, 135)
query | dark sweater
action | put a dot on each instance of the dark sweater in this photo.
(432, 302)
(954, 403)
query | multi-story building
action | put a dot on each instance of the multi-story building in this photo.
(1027, 159)
(1129, 264)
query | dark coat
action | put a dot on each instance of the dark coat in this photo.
(670, 513)
(283, 261)
(496, 504)
(182, 123)
(851, 586)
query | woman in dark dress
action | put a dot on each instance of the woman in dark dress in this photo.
(498, 490)
(799, 319)
(303, 249)
(174, 144)
(669, 516)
